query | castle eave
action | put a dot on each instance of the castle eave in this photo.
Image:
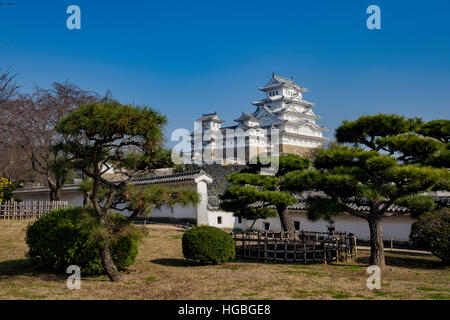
(305, 136)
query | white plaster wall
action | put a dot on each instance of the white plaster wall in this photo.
(178, 212)
(299, 108)
(201, 208)
(75, 198)
(306, 130)
(290, 92)
(228, 220)
(397, 227)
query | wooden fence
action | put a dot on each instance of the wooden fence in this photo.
(298, 247)
(29, 209)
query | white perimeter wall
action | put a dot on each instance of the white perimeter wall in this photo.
(397, 227)
(75, 198)
(178, 212)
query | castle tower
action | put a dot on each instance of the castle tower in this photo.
(285, 109)
(206, 137)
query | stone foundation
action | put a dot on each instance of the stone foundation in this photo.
(300, 151)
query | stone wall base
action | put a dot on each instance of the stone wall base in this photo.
(300, 151)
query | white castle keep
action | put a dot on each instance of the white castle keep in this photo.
(283, 122)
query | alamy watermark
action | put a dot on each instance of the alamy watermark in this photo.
(74, 280)
(374, 281)
(74, 20)
(374, 20)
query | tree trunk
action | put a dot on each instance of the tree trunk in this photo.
(55, 190)
(108, 264)
(55, 194)
(105, 255)
(376, 242)
(86, 201)
(286, 224)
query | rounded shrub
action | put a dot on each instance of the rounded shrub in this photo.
(209, 245)
(70, 237)
(432, 232)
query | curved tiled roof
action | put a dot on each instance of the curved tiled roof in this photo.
(247, 116)
(301, 205)
(277, 80)
(443, 200)
(175, 177)
(210, 117)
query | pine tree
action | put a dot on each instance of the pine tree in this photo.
(99, 136)
(385, 159)
(258, 196)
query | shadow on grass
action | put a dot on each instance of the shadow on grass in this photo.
(408, 260)
(411, 260)
(174, 262)
(25, 267)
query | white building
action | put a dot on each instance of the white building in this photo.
(283, 122)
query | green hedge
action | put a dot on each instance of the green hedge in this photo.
(432, 232)
(208, 245)
(68, 237)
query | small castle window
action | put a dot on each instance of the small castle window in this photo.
(266, 226)
(297, 225)
(219, 220)
(331, 229)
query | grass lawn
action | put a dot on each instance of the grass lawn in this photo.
(160, 272)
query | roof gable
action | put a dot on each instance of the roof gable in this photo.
(264, 111)
(210, 117)
(245, 117)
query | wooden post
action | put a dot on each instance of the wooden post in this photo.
(275, 249)
(285, 250)
(314, 251)
(265, 249)
(295, 250)
(304, 248)
(257, 252)
(347, 246)
(338, 251)
(243, 245)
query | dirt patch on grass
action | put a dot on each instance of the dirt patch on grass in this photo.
(161, 272)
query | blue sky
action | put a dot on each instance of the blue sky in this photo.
(186, 58)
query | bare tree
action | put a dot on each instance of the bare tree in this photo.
(8, 89)
(12, 165)
(8, 93)
(32, 129)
